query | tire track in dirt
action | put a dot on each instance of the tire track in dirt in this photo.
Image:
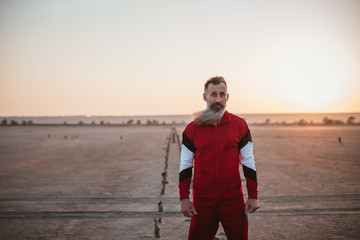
(154, 214)
(146, 199)
(72, 207)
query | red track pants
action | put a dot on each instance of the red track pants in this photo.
(232, 217)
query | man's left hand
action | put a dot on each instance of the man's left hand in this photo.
(251, 205)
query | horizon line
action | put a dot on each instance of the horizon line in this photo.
(154, 115)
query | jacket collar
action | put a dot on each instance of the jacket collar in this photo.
(226, 118)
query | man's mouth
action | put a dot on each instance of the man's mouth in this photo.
(217, 106)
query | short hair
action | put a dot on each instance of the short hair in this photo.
(216, 81)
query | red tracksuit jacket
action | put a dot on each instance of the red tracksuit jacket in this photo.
(216, 152)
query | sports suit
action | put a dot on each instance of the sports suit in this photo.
(215, 153)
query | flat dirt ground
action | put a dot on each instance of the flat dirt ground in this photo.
(92, 182)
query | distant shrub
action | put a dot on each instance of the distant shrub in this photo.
(24, 122)
(339, 122)
(4, 122)
(302, 122)
(329, 121)
(13, 122)
(351, 120)
(81, 123)
(130, 122)
(152, 122)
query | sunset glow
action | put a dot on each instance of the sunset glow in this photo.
(312, 76)
(153, 57)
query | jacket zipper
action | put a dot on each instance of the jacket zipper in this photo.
(216, 161)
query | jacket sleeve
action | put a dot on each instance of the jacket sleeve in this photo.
(248, 163)
(186, 165)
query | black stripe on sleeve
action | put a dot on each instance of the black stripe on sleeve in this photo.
(188, 143)
(185, 174)
(249, 173)
(246, 138)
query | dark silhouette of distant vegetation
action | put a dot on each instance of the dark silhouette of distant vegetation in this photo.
(329, 121)
(351, 120)
(326, 121)
(13, 122)
(302, 122)
(130, 122)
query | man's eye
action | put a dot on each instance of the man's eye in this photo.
(213, 94)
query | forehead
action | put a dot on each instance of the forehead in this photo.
(216, 88)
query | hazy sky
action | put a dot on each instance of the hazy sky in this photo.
(141, 57)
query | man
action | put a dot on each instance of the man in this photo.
(215, 143)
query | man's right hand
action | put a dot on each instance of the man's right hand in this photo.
(187, 208)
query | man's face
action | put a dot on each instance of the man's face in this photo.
(216, 96)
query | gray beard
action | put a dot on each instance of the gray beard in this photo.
(208, 117)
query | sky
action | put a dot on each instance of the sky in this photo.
(126, 57)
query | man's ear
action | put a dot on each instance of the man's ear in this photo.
(204, 97)
(227, 97)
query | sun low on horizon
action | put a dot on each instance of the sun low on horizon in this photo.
(313, 75)
(153, 57)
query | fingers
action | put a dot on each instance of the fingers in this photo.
(187, 208)
(194, 211)
(251, 205)
(187, 213)
(250, 209)
(247, 209)
(190, 212)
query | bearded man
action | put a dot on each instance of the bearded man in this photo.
(214, 144)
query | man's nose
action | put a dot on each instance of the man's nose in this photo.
(218, 99)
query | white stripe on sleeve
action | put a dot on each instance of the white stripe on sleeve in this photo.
(186, 160)
(247, 156)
